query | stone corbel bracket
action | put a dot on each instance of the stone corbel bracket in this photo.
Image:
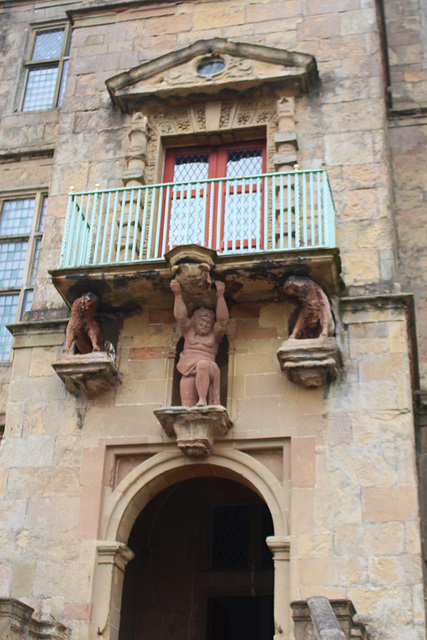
(88, 374)
(192, 266)
(311, 362)
(195, 428)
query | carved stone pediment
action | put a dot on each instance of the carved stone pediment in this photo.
(235, 65)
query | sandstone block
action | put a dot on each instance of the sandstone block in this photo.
(303, 462)
(302, 511)
(387, 504)
(358, 21)
(319, 27)
(22, 580)
(217, 16)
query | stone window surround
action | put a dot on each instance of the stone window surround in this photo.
(154, 129)
(32, 31)
(33, 236)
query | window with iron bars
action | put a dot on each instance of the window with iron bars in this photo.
(46, 68)
(21, 228)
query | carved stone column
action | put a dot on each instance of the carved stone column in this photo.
(136, 158)
(285, 159)
(286, 137)
(112, 558)
(280, 548)
(134, 176)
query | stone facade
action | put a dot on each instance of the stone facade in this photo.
(336, 464)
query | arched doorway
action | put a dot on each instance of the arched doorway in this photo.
(202, 569)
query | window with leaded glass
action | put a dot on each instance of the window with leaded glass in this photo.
(216, 198)
(47, 68)
(21, 228)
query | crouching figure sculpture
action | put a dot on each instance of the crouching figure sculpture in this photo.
(91, 369)
(315, 317)
(200, 382)
(82, 329)
(310, 356)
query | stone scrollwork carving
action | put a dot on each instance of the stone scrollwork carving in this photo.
(310, 356)
(92, 368)
(194, 428)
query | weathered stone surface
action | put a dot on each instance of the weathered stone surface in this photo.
(312, 363)
(88, 374)
(195, 428)
(17, 623)
(328, 620)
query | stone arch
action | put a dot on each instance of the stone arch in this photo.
(165, 469)
(147, 480)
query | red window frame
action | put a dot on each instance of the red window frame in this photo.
(217, 168)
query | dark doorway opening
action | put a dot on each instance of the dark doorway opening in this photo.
(240, 618)
(202, 569)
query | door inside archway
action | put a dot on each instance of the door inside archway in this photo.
(202, 569)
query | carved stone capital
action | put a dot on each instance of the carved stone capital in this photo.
(280, 547)
(87, 374)
(114, 553)
(194, 428)
(311, 362)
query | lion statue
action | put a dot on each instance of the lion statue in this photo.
(315, 318)
(82, 329)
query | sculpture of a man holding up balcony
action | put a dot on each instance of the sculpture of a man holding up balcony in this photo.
(202, 332)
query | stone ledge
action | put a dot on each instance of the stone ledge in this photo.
(89, 374)
(255, 277)
(310, 362)
(194, 428)
(17, 623)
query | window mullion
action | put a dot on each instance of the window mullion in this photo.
(58, 82)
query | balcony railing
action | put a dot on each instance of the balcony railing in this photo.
(269, 212)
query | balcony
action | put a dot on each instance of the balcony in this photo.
(279, 222)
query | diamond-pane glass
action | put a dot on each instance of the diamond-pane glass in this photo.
(188, 215)
(191, 168)
(231, 536)
(40, 89)
(8, 309)
(12, 263)
(63, 82)
(244, 163)
(16, 216)
(43, 214)
(28, 301)
(188, 204)
(242, 215)
(48, 44)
